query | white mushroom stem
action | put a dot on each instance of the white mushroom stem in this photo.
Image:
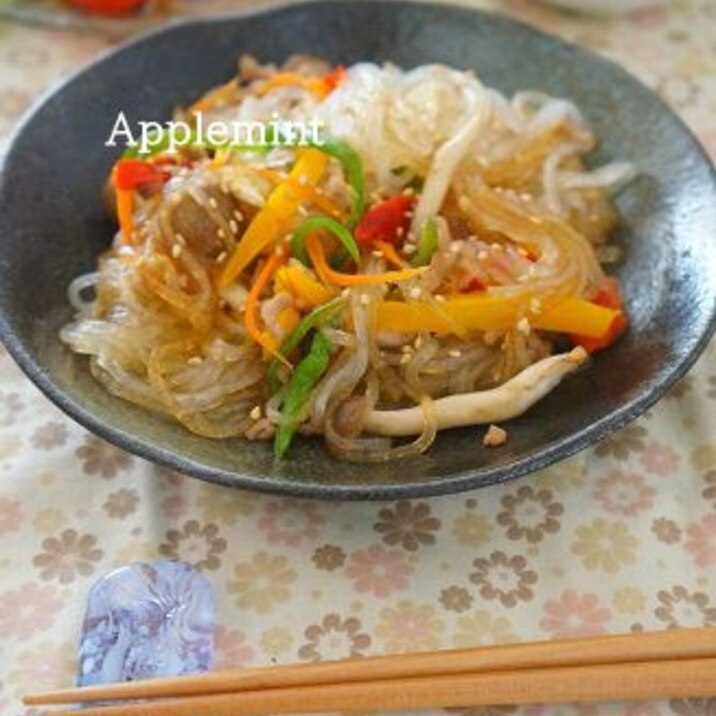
(446, 161)
(488, 406)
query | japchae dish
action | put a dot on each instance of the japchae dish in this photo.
(435, 260)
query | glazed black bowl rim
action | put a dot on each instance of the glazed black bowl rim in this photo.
(460, 481)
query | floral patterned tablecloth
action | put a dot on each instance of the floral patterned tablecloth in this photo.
(621, 537)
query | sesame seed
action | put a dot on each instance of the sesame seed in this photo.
(454, 353)
(221, 257)
(302, 179)
(415, 292)
(408, 191)
(522, 251)
(238, 215)
(233, 225)
(523, 278)
(213, 203)
(302, 211)
(482, 255)
(221, 233)
(454, 248)
(405, 358)
(418, 342)
(225, 189)
(364, 299)
(496, 247)
(179, 239)
(526, 197)
(176, 251)
(406, 349)
(536, 220)
(195, 360)
(523, 326)
(255, 413)
(409, 249)
(439, 298)
(377, 253)
(535, 305)
(346, 292)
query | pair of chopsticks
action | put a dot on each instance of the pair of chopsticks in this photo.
(678, 663)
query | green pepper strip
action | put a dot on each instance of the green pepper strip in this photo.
(298, 391)
(318, 223)
(427, 244)
(353, 167)
(317, 317)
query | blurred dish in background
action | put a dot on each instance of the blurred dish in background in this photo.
(115, 18)
(604, 7)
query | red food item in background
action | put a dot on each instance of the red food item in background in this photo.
(384, 221)
(107, 7)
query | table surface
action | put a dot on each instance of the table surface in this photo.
(621, 537)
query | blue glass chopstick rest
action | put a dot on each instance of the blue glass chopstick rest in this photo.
(147, 620)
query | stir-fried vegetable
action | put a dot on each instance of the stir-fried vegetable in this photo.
(329, 275)
(300, 283)
(427, 244)
(609, 295)
(493, 312)
(322, 223)
(387, 221)
(353, 167)
(298, 391)
(270, 224)
(315, 319)
(263, 338)
(321, 87)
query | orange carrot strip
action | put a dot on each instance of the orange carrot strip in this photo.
(328, 275)
(215, 98)
(125, 214)
(265, 340)
(389, 253)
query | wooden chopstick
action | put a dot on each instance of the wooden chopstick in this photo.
(675, 644)
(620, 682)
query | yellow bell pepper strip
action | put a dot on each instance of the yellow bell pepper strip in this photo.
(322, 223)
(298, 391)
(427, 243)
(298, 281)
(263, 338)
(269, 224)
(490, 312)
(315, 319)
(328, 275)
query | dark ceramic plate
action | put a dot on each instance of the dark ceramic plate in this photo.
(52, 226)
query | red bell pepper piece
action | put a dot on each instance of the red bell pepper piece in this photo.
(387, 221)
(130, 174)
(610, 296)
